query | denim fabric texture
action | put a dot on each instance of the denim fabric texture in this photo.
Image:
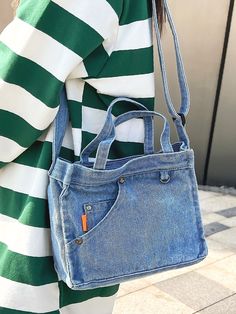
(142, 211)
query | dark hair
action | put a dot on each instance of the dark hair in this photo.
(161, 15)
(159, 5)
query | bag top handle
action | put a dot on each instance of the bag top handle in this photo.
(108, 127)
(104, 146)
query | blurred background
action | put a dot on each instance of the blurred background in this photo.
(207, 36)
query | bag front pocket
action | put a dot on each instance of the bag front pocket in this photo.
(96, 211)
(83, 208)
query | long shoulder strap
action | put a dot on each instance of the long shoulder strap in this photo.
(184, 90)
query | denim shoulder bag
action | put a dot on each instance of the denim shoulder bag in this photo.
(121, 219)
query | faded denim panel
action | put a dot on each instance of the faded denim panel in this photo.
(138, 226)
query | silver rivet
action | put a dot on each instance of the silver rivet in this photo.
(121, 179)
(88, 207)
(164, 178)
(79, 241)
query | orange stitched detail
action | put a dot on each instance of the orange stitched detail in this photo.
(84, 222)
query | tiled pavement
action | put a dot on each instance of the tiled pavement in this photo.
(208, 287)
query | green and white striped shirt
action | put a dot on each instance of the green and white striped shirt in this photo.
(100, 49)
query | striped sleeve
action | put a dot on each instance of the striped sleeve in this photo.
(39, 48)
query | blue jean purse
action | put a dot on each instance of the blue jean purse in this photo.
(121, 219)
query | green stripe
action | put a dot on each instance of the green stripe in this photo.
(95, 62)
(39, 155)
(75, 110)
(129, 62)
(118, 149)
(69, 296)
(117, 6)
(29, 75)
(49, 17)
(2, 164)
(17, 129)
(125, 149)
(33, 9)
(143, 10)
(4, 310)
(35, 271)
(67, 154)
(92, 99)
(26, 209)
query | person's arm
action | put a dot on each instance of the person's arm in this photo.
(38, 50)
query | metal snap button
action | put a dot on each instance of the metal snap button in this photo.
(88, 207)
(79, 241)
(121, 179)
(165, 180)
(164, 176)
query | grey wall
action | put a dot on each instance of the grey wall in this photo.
(222, 165)
(201, 27)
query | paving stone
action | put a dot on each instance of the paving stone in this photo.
(217, 250)
(149, 300)
(207, 194)
(194, 290)
(214, 227)
(216, 204)
(179, 271)
(212, 217)
(223, 272)
(121, 292)
(230, 222)
(226, 306)
(226, 237)
(228, 213)
(133, 285)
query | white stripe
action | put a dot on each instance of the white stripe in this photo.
(23, 239)
(77, 139)
(134, 35)
(97, 14)
(131, 131)
(19, 101)
(67, 140)
(24, 179)
(22, 297)
(31, 43)
(96, 305)
(9, 149)
(141, 85)
(31, 180)
(93, 119)
(75, 89)
(128, 131)
(77, 72)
